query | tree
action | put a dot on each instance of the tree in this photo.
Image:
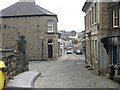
(74, 41)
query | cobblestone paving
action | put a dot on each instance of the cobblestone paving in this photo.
(70, 73)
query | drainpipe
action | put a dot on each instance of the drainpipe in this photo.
(42, 50)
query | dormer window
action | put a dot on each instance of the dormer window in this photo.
(50, 25)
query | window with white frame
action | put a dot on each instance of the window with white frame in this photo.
(115, 18)
(50, 25)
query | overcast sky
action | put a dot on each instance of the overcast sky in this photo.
(69, 12)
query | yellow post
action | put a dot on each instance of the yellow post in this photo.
(2, 76)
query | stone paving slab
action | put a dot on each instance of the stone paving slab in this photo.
(71, 73)
(24, 80)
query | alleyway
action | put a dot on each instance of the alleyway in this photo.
(70, 73)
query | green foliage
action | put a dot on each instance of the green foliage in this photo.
(74, 41)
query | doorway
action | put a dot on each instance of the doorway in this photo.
(50, 49)
(115, 55)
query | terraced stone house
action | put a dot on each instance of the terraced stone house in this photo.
(101, 32)
(38, 25)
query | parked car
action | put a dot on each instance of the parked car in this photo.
(78, 52)
(69, 52)
(69, 48)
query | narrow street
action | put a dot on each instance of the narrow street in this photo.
(70, 73)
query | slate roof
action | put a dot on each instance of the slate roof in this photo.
(25, 9)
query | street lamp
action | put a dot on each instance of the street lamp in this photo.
(43, 38)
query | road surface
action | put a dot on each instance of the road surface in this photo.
(70, 73)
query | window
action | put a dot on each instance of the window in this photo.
(92, 48)
(115, 18)
(95, 11)
(85, 21)
(119, 50)
(119, 17)
(96, 50)
(92, 15)
(50, 25)
(90, 18)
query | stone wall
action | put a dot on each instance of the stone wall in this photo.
(35, 29)
(15, 63)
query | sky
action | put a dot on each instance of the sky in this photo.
(69, 12)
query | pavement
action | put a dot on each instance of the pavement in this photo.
(23, 80)
(27, 79)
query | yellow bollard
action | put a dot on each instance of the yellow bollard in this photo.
(2, 75)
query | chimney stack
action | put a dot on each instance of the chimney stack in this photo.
(33, 1)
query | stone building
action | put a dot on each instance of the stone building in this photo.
(96, 24)
(38, 25)
(112, 40)
(99, 23)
